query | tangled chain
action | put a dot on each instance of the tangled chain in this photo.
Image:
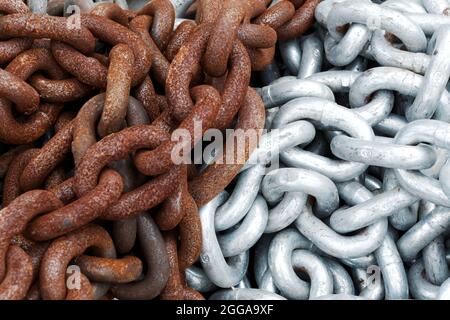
(90, 96)
(358, 204)
(344, 195)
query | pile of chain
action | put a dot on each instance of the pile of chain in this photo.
(93, 207)
(345, 195)
(358, 114)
